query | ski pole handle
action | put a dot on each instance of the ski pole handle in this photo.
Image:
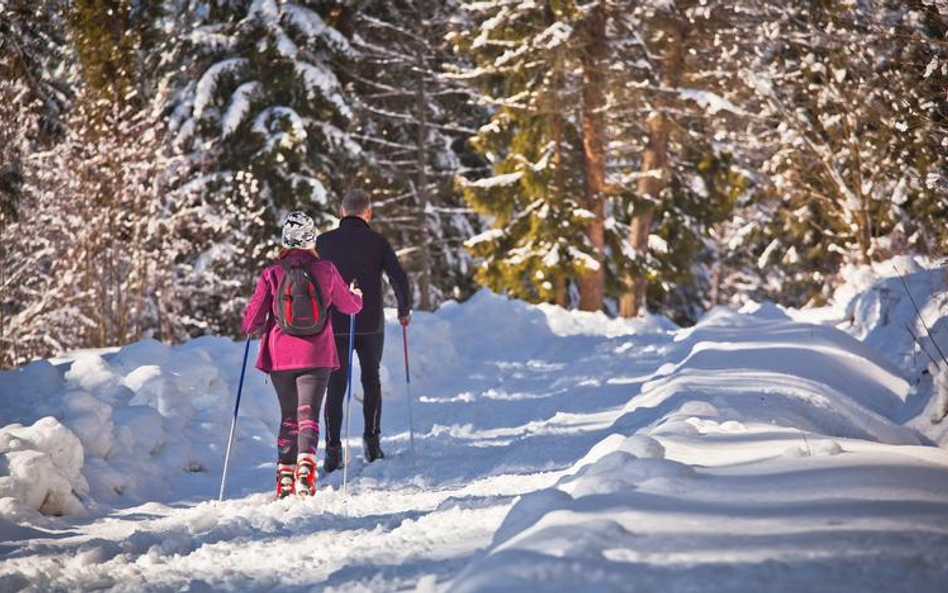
(405, 348)
(352, 323)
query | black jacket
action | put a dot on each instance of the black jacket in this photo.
(362, 254)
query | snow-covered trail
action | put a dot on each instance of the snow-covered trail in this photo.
(519, 416)
(558, 450)
(385, 539)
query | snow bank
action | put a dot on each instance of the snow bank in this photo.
(878, 309)
(899, 308)
(781, 370)
(746, 403)
(116, 428)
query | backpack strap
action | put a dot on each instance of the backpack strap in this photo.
(286, 271)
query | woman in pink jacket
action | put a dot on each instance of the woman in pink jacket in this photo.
(299, 365)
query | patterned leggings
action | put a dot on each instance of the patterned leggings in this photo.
(301, 394)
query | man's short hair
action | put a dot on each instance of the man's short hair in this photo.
(356, 202)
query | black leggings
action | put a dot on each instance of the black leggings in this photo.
(369, 349)
(301, 394)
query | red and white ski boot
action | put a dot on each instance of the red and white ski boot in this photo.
(305, 475)
(286, 476)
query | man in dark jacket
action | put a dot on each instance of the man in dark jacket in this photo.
(360, 254)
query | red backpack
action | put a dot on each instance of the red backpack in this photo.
(301, 308)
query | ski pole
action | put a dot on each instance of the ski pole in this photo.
(411, 423)
(233, 424)
(346, 454)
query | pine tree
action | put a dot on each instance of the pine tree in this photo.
(32, 49)
(666, 29)
(260, 116)
(34, 94)
(528, 68)
(262, 97)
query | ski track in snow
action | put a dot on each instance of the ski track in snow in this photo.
(559, 450)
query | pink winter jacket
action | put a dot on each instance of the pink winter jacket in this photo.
(280, 351)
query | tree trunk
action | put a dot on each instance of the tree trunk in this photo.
(654, 163)
(594, 54)
(5, 356)
(560, 295)
(650, 186)
(421, 98)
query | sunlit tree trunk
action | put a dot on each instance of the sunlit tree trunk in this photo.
(654, 162)
(594, 54)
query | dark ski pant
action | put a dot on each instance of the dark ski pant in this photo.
(301, 394)
(369, 349)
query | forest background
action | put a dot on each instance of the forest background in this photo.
(610, 155)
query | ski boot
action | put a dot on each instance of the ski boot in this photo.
(372, 449)
(333, 460)
(285, 479)
(305, 475)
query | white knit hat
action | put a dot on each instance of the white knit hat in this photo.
(299, 231)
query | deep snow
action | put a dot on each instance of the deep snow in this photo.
(558, 449)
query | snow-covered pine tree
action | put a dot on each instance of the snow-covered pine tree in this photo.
(34, 95)
(527, 66)
(413, 121)
(662, 29)
(258, 93)
(257, 109)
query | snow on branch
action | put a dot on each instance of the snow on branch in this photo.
(709, 101)
(271, 122)
(211, 39)
(497, 180)
(319, 78)
(553, 36)
(584, 259)
(207, 85)
(485, 237)
(239, 107)
(312, 26)
(657, 244)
